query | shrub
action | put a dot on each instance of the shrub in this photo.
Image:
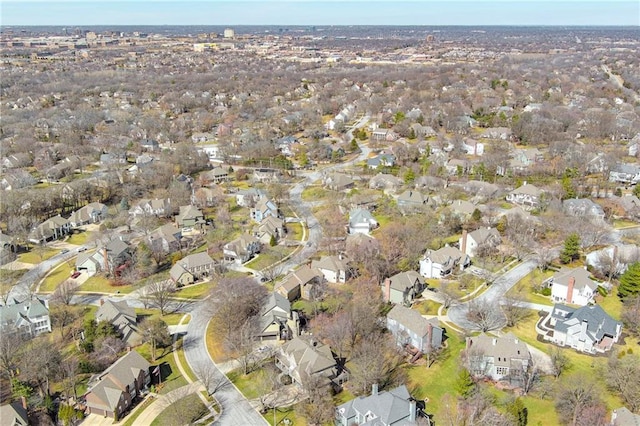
(603, 291)
(546, 291)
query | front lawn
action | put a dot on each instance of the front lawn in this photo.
(268, 257)
(215, 344)
(524, 287)
(78, 238)
(37, 255)
(294, 231)
(100, 284)
(194, 291)
(611, 304)
(186, 410)
(282, 414)
(56, 277)
(246, 383)
(315, 193)
(171, 376)
(426, 307)
(131, 418)
(169, 319)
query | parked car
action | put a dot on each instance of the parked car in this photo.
(75, 275)
(63, 251)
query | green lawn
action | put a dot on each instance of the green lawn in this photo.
(611, 304)
(284, 413)
(214, 344)
(539, 411)
(78, 239)
(383, 219)
(315, 193)
(37, 255)
(56, 277)
(169, 319)
(294, 231)
(195, 291)
(190, 406)
(246, 383)
(622, 223)
(268, 257)
(524, 287)
(183, 360)
(426, 307)
(100, 284)
(435, 382)
(171, 376)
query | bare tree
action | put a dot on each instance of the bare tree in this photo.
(155, 332)
(318, 408)
(513, 308)
(544, 256)
(578, 402)
(64, 292)
(159, 294)
(448, 295)
(376, 360)
(484, 315)
(622, 375)
(559, 361)
(631, 314)
(273, 271)
(530, 376)
(212, 379)
(240, 343)
(63, 316)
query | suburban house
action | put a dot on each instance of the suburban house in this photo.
(573, 286)
(191, 268)
(112, 392)
(411, 200)
(583, 207)
(270, 227)
(630, 206)
(624, 417)
(337, 182)
(456, 166)
(189, 218)
(218, 175)
(497, 358)
(14, 414)
(497, 133)
(249, 197)
(386, 182)
(302, 283)
(122, 316)
(241, 249)
(361, 221)
(29, 318)
(265, 175)
(334, 268)
(276, 320)
(15, 179)
(91, 213)
(108, 257)
(526, 196)
(166, 238)
(156, 207)
(51, 229)
(442, 262)
(625, 173)
(15, 161)
(381, 160)
(303, 358)
(472, 147)
(264, 208)
(383, 135)
(395, 407)
(462, 208)
(410, 328)
(587, 329)
(619, 256)
(403, 287)
(469, 242)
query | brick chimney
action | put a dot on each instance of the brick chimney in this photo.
(101, 302)
(23, 400)
(572, 283)
(387, 290)
(463, 245)
(429, 336)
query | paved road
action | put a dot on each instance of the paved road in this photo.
(236, 410)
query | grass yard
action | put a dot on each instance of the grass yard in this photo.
(56, 277)
(183, 361)
(282, 414)
(435, 382)
(294, 231)
(171, 376)
(37, 255)
(315, 193)
(525, 286)
(186, 410)
(622, 223)
(268, 257)
(611, 304)
(78, 238)
(215, 344)
(100, 284)
(426, 307)
(169, 319)
(539, 411)
(194, 291)
(247, 383)
(384, 219)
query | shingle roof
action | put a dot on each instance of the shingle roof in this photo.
(599, 323)
(404, 280)
(411, 320)
(581, 276)
(503, 349)
(388, 407)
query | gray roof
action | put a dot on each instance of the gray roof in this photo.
(412, 320)
(445, 254)
(196, 260)
(599, 323)
(405, 280)
(413, 197)
(114, 379)
(528, 190)
(463, 206)
(13, 414)
(389, 407)
(483, 235)
(624, 417)
(361, 216)
(310, 356)
(17, 313)
(330, 263)
(502, 349)
(276, 308)
(122, 316)
(581, 276)
(582, 207)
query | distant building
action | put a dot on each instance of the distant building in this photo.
(29, 318)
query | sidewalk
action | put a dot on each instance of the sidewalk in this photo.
(163, 401)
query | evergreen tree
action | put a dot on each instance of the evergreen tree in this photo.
(636, 190)
(409, 176)
(630, 281)
(571, 250)
(518, 411)
(464, 385)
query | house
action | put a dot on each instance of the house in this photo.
(587, 329)
(337, 182)
(156, 207)
(625, 173)
(16, 161)
(14, 414)
(410, 328)
(472, 147)
(90, 262)
(241, 249)
(462, 208)
(276, 320)
(191, 268)
(497, 133)
(386, 182)
(583, 207)
(335, 269)
(381, 160)
(122, 316)
(361, 221)
(573, 286)
(91, 213)
(149, 145)
(623, 417)
(189, 218)
(304, 358)
(218, 175)
(29, 318)
(302, 283)
(249, 197)
(411, 199)
(16, 179)
(421, 131)
(497, 358)
(51, 229)
(483, 237)
(630, 205)
(266, 175)
(270, 227)
(112, 392)
(615, 258)
(390, 408)
(456, 167)
(526, 196)
(108, 257)
(264, 208)
(383, 135)
(442, 262)
(166, 238)
(403, 287)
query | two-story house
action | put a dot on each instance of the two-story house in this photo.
(51, 229)
(305, 283)
(361, 221)
(395, 407)
(410, 328)
(625, 173)
(91, 213)
(155, 207)
(263, 209)
(442, 262)
(526, 196)
(583, 207)
(277, 320)
(305, 357)
(122, 316)
(270, 228)
(28, 318)
(189, 219)
(113, 391)
(334, 268)
(191, 268)
(573, 286)
(469, 242)
(241, 249)
(497, 358)
(167, 238)
(403, 287)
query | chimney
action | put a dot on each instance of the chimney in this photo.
(106, 259)
(101, 302)
(412, 410)
(23, 400)
(429, 336)
(572, 283)
(494, 341)
(374, 389)
(387, 290)
(463, 246)
(584, 324)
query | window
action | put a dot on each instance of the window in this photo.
(502, 371)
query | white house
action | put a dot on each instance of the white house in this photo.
(442, 262)
(473, 147)
(526, 196)
(573, 286)
(361, 221)
(334, 268)
(29, 318)
(469, 242)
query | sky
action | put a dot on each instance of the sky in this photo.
(313, 12)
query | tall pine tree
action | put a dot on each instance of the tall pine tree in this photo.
(630, 281)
